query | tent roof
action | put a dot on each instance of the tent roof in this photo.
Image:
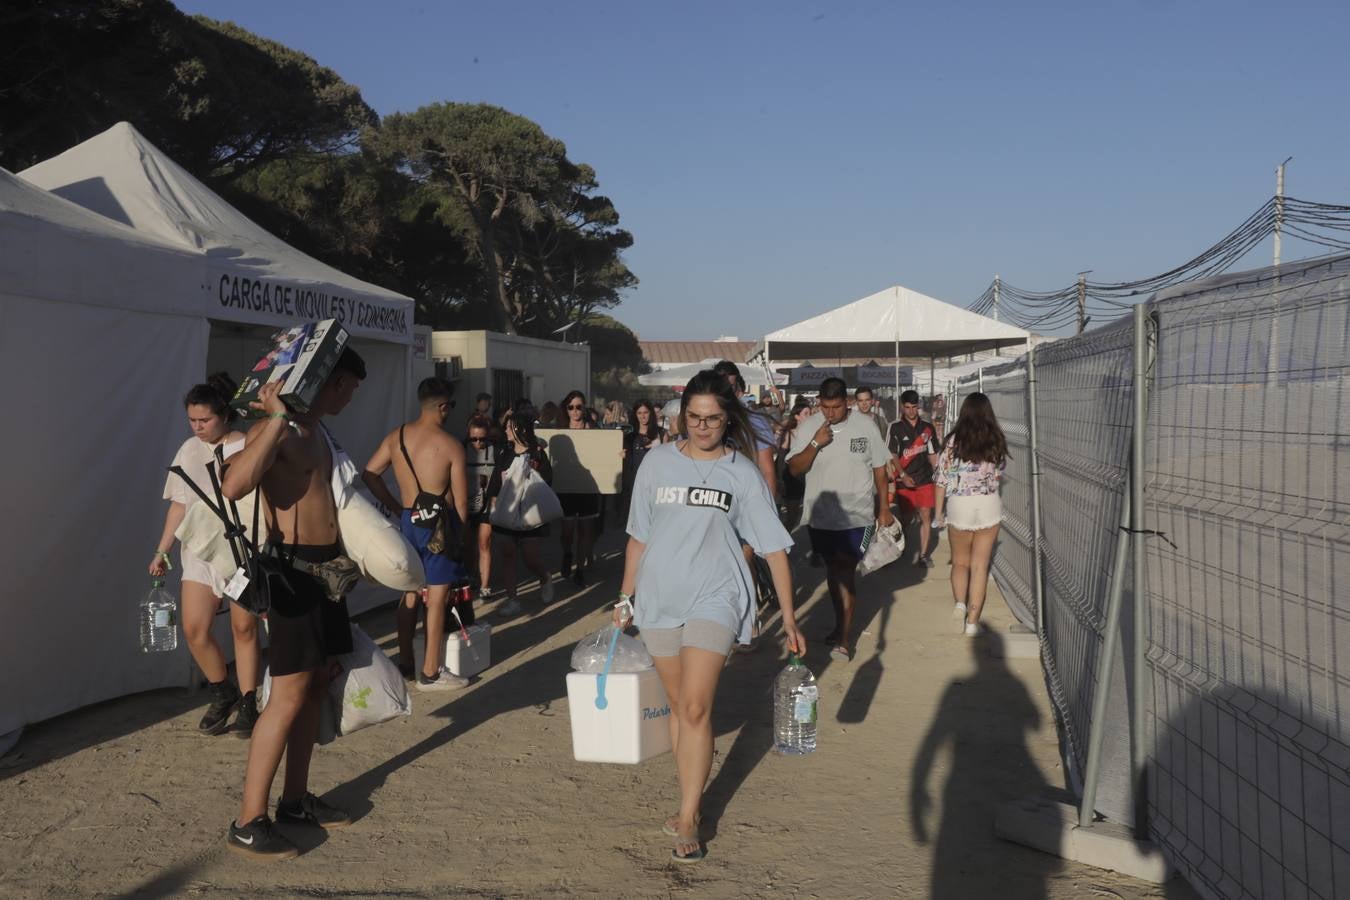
(254, 275)
(52, 249)
(871, 326)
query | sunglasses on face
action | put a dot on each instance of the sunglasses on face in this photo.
(576, 406)
(477, 440)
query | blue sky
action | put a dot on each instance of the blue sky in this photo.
(776, 159)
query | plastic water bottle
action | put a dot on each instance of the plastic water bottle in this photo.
(795, 696)
(159, 620)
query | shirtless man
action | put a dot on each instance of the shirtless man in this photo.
(427, 460)
(287, 455)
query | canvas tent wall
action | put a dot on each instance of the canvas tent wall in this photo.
(101, 336)
(894, 324)
(254, 281)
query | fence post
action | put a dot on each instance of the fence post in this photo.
(1036, 577)
(1101, 694)
(1138, 747)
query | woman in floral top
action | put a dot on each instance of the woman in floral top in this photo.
(968, 472)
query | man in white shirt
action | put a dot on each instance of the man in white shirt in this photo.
(843, 459)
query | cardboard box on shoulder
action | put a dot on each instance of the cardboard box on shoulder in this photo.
(301, 358)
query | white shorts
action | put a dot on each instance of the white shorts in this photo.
(974, 513)
(196, 570)
(700, 633)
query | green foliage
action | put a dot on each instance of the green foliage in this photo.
(613, 344)
(473, 210)
(548, 245)
(217, 98)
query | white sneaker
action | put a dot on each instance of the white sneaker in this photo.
(484, 594)
(928, 561)
(959, 611)
(445, 680)
(546, 590)
(972, 629)
(510, 608)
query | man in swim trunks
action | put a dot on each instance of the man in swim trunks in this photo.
(428, 461)
(289, 457)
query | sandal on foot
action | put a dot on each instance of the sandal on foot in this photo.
(695, 855)
(840, 652)
(669, 829)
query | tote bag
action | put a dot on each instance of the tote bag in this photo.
(525, 501)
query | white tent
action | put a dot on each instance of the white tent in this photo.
(116, 306)
(97, 349)
(254, 281)
(895, 324)
(678, 376)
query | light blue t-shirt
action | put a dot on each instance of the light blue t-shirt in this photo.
(693, 516)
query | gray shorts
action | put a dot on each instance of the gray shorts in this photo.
(699, 633)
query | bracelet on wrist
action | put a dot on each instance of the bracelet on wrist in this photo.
(279, 415)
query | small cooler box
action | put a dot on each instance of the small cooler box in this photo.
(460, 658)
(635, 725)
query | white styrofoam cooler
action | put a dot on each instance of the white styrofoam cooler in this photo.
(458, 657)
(633, 727)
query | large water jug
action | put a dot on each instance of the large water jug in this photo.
(795, 696)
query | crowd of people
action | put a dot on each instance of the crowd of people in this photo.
(709, 483)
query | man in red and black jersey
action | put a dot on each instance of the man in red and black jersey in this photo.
(914, 444)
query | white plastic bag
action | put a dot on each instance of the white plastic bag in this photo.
(327, 718)
(369, 689)
(630, 654)
(887, 545)
(525, 501)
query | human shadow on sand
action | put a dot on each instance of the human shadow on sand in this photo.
(986, 720)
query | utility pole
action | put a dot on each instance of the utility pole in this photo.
(1082, 301)
(1279, 205)
(997, 287)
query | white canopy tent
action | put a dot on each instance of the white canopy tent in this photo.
(116, 304)
(678, 376)
(896, 323)
(254, 282)
(101, 339)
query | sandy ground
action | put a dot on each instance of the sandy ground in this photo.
(477, 794)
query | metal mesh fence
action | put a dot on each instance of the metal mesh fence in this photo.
(1249, 616)
(1246, 676)
(1013, 564)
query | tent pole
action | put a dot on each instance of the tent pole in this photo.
(932, 377)
(897, 376)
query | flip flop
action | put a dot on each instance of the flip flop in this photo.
(669, 830)
(696, 856)
(840, 652)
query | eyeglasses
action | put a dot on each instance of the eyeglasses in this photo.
(706, 422)
(576, 406)
(478, 440)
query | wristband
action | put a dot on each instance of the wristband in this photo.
(279, 415)
(815, 443)
(168, 563)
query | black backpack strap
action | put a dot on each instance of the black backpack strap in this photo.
(404, 447)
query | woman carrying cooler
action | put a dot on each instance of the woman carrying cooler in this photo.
(969, 468)
(694, 502)
(210, 417)
(520, 441)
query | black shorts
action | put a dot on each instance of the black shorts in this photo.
(305, 631)
(580, 506)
